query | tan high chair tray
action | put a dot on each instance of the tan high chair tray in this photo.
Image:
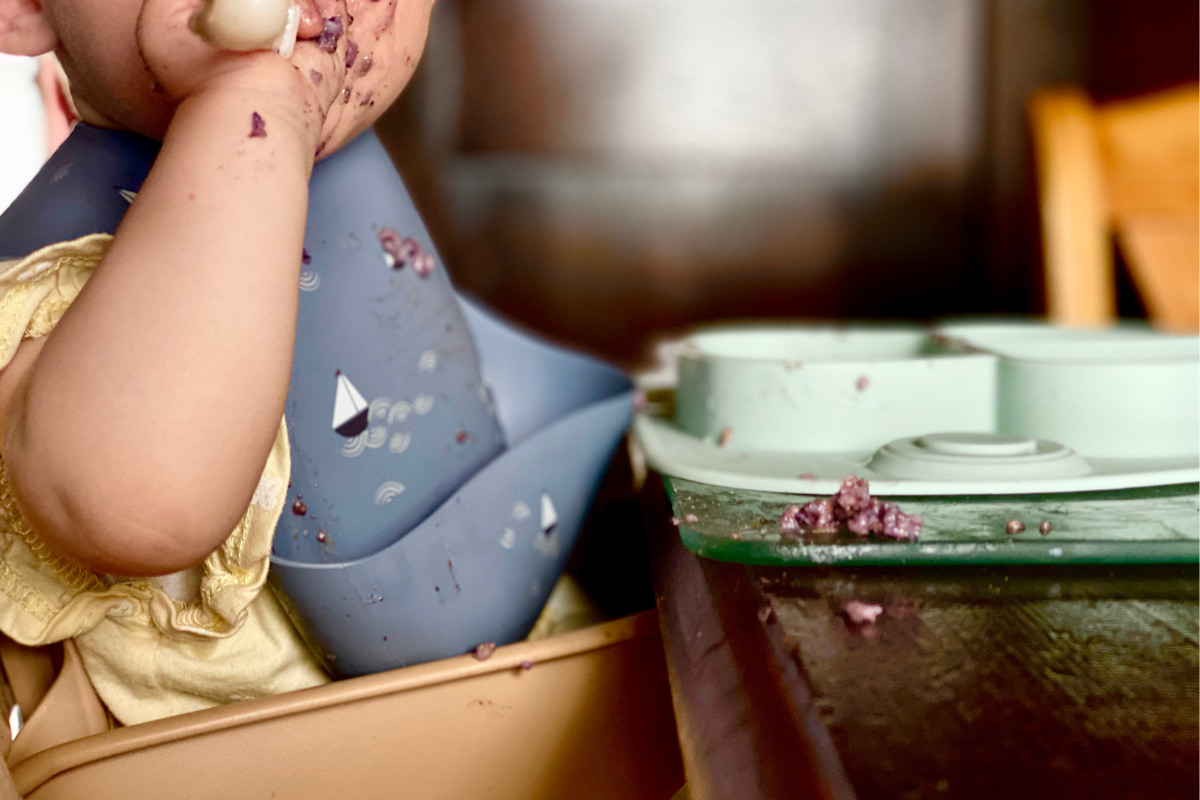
(586, 714)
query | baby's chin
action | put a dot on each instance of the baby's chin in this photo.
(389, 37)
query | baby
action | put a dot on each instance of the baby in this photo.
(107, 343)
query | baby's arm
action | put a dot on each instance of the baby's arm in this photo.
(134, 434)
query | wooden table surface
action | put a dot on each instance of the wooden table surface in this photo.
(975, 683)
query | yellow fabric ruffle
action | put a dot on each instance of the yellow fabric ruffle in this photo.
(153, 647)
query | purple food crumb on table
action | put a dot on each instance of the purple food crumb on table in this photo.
(1014, 527)
(526, 665)
(1045, 528)
(258, 126)
(483, 652)
(299, 507)
(861, 613)
(328, 40)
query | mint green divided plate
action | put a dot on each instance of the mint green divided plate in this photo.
(970, 425)
(1158, 524)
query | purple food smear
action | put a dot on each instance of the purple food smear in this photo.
(862, 383)
(315, 77)
(258, 126)
(851, 505)
(351, 54)
(328, 40)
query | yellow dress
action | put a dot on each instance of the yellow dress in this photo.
(153, 647)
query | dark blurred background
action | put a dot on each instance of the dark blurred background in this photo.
(606, 171)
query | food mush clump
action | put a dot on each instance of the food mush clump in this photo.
(328, 40)
(853, 507)
(404, 251)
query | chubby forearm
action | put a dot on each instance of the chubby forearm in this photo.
(136, 438)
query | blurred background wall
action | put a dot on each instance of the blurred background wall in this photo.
(608, 170)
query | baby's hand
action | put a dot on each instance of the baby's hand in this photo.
(182, 64)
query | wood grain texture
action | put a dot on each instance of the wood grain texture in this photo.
(1016, 682)
(747, 726)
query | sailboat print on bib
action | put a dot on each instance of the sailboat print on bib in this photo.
(349, 408)
(549, 515)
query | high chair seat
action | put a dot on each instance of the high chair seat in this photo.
(587, 714)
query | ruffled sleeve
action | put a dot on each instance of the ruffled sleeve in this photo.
(46, 598)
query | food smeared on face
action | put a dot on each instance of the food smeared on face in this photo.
(328, 40)
(258, 126)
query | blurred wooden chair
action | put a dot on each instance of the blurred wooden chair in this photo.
(1128, 171)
